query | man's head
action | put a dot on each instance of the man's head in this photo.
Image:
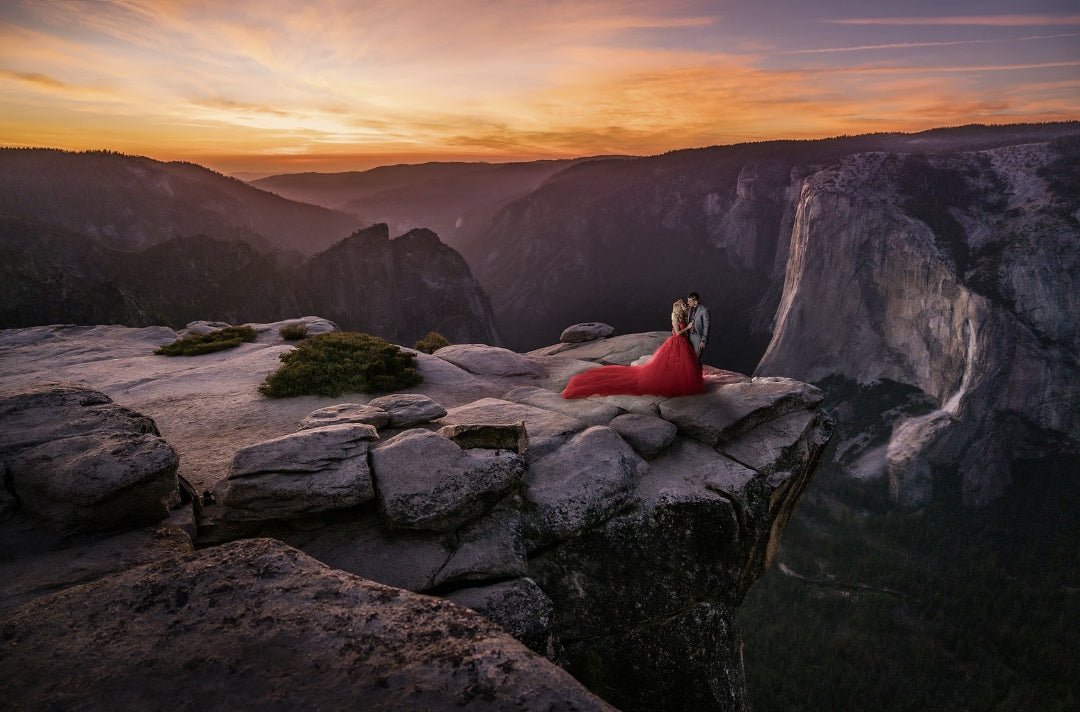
(692, 299)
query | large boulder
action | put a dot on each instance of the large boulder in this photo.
(83, 463)
(428, 482)
(257, 625)
(647, 434)
(489, 360)
(644, 603)
(588, 410)
(587, 331)
(344, 413)
(579, 485)
(408, 409)
(313, 470)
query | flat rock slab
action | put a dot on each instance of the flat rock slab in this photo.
(725, 411)
(647, 434)
(623, 349)
(427, 482)
(314, 470)
(408, 409)
(485, 360)
(344, 413)
(588, 331)
(258, 625)
(546, 429)
(588, 411)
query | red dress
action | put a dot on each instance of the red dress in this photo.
(672, 371)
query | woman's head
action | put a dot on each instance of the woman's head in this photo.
(679, 307)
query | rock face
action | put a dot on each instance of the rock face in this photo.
(82, 463)
(959, 274)
(614, 536)
(257, 625)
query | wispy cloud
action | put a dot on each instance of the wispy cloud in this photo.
(33, 78)
(974, 20)
(496, 78)
(920, 45)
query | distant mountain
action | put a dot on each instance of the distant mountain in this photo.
(398, 289)
(132, 202)
(455, 200)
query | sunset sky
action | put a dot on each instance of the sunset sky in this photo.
(271, 86)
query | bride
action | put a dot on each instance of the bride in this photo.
(672, 371)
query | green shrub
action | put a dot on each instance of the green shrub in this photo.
(293, 331)
(431, 343)
(198, 344)
(339, 362)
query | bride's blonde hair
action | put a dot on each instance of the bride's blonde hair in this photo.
(679, 309)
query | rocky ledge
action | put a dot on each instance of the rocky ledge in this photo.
(614, 536)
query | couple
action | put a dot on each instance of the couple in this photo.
(673, 370)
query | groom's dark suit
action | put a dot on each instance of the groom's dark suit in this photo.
(699, 333)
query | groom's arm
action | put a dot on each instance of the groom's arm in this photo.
(704, 326)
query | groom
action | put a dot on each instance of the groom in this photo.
(698, 318)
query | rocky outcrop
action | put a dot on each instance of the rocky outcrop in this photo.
(257, 625)
(586, 332)
(546, 516)
(956, 275)
(613, 535)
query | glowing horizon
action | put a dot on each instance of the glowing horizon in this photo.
(271, 87)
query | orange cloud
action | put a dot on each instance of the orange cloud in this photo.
(339, 80)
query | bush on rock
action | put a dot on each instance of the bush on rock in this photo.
(198, 344)
(339, 362)
(293, 331)
(431, 343)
